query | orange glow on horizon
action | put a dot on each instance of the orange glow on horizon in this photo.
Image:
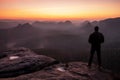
(59, 10)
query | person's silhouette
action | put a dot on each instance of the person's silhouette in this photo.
(95, 39)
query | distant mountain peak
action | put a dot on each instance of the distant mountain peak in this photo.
(112, 19)
(68, 22)
(25, 25)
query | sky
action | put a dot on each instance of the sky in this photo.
(59, 9)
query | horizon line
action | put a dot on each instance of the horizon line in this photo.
(56, 20)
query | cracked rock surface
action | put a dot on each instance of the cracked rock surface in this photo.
(21, 61)
(26, 65)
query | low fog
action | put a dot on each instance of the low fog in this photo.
(63, 40)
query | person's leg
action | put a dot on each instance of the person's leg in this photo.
(99, 56)
(91, 56)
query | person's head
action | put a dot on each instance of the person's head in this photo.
(96, 28)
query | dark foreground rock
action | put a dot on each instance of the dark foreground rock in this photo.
(21, 60)
(39, 67)
(73, 71)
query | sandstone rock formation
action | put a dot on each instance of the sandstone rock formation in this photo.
(23, 64)
(74, 71)
(21, 60)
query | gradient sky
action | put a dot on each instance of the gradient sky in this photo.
(59, 9)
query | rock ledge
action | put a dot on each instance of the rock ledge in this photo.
(23, 64)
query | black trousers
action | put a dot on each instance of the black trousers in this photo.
(97, 49)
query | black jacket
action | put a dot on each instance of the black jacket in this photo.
(96, 38)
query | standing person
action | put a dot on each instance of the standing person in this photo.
(95, 39)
